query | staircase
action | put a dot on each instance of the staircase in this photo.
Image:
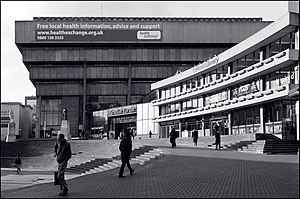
(138, 155)
(281, 147)
(249, 143)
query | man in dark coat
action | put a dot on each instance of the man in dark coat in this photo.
(217, 136)
(125, 148)
(173, 137)
(63, 156)
(195, 137)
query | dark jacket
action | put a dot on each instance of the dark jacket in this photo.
(217, 136)
(64, 152)
(125, 148)
(18, 161)
(195, 134)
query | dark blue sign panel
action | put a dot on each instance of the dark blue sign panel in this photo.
(98, 31)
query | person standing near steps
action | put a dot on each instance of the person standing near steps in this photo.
(125, 147)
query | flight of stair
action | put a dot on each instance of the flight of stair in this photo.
(139, 155)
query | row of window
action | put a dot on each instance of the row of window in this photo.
(277, 78)
(279, 45)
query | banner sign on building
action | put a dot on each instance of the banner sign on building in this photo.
(124, 110)
(246, 89)
(126, 119)
(211, 62)
(218, 97)
(98, 31)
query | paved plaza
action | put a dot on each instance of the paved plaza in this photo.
(182, 172)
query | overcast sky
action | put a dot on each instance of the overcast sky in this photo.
(15, 83)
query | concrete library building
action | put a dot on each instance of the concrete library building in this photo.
(88, 64)
(250, 88)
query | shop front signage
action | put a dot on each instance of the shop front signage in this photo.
(126, 119)
(246, 89)
(124, 110)
(211, 62)
(222, 96)
(97, 31)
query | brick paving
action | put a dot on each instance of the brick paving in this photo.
(186, 172)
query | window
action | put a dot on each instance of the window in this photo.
(168, 92)
(195, 103)
(184, 108)
(200, 102)
(162, 110)
(213, 75)
(177, 90)
(188, 85)
(219, 73)
(51, 112)
(177, 107)
(199, 81)
(242, 63)
(172, 91)
(234, 67)
(225, 70)
(194, 82)
(250, 59)
(242, 117)
(163, 93)
(189, 104)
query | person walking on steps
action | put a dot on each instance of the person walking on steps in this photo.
(64, 154)
(125, 147)
(18, 163)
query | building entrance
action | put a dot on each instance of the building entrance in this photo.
(223, 123)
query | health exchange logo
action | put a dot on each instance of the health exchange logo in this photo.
(149, 35)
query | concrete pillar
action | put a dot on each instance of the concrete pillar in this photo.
(129, 85)
(297, 119)
(203, 129)
(229, 124)
(38, 113)
(261, 115)
(84, 100)
(180, 131)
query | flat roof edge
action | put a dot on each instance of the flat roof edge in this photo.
(258, 37)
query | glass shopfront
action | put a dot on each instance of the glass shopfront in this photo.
(166, 127)
(281, 118)
(246, 120)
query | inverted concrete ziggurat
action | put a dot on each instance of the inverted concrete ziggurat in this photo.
(240, 72)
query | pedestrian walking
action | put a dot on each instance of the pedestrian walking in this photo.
(195, 137)
(150, 134)
(217, 136)
(18, 163)
(125, 147)
(173, 137)
(63, 156)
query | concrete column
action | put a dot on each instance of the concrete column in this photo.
(180, 131)
(261, 54)
(261, 115)
(297, 119)
(203, 129)
(229, 124)
(129, 85)
(38, 113)
(84, 100)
